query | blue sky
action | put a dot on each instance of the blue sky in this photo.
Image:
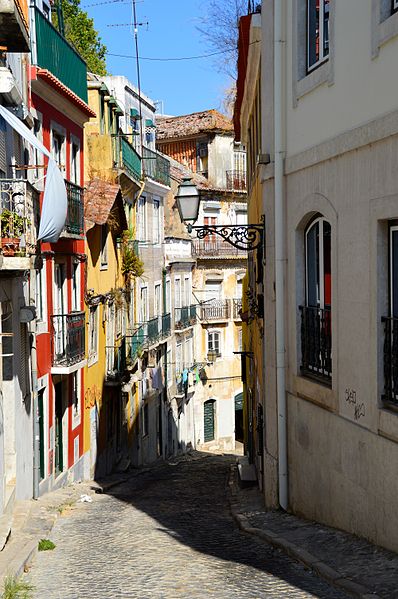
(184, 86)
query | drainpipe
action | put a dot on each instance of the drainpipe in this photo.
(280, 251)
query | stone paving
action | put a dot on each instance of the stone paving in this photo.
(166, 534)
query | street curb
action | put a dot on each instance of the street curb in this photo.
(303, 556)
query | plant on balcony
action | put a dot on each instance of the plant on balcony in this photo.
(132, 266)
(12, 227)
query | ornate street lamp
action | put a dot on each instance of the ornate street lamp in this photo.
(242, 237)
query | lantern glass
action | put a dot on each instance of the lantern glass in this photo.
(187, 199)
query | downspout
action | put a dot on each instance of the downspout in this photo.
(280, 250)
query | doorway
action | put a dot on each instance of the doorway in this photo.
(208, 420)
(239, 417)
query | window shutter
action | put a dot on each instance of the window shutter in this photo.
(3, 159)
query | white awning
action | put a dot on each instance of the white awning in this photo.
(55, 202)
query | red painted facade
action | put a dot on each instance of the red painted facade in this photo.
(65, 422)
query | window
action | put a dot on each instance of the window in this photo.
(37, 156)
(156, 221)
(187, 291)
(76, 392)
(317, 32)
(169, 366)
(102, 113)
(179, 367)
(74, 175)
(141, 219)
(93, 335)
(41, 293)
(189, 352)
(213, 290)
(144, 305)
(7, 340)
(58, 149)
(394, 5)
(177, 292)
(316, 317)
(240, 339)
(213, 343)
(75, 286)
(145, 420)
(104, 247)
(158, 300)
(168, 296)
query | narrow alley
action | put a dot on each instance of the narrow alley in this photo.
(166, 533)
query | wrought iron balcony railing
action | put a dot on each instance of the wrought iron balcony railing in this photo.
(236, 180)
(68, 338)
(390, 360)
(215, 310)
(126, 157)
(166, 325)
(316, 342)
(213, 247)
(19, 217)
(237, 308)
(156, 166)
(115, 357)
(75, 218)
(56, 55)
(185, 317)
(135, 343)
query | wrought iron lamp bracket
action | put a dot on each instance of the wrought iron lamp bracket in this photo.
(242, 237)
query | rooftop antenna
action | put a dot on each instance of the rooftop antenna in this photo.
(137, 58)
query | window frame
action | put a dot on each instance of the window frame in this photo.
(322, 57)
(321, 263)
(93, 327)
(74, 143)
(104, 246)
(394, 6)
(212, 332)
(142, 229)
(59, 132)
(156, 221)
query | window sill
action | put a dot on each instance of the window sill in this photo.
(318, 76)
(92, 360)
(104, 267)
(316, 392)
(384, 31)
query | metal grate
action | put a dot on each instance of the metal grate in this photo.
(316, 342)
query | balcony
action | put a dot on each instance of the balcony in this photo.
(14, 25)
(316, 343)
(184, 317)
(134, 345)
(216, 310)
(156, 166)
(213, 247)
(235, 180)
(115, 359)
(126, 158)
(19, 219)
(68, 340)
(390, 360)
(75, 218)
(237, 308)
(56, 55)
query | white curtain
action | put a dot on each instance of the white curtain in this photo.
(55, 202)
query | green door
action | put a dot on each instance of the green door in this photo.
(41, 433)
(59, 461)
(209, 420)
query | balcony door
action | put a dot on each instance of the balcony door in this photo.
(318, 264)
(59, 319)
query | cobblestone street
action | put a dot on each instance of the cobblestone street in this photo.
(166, 533)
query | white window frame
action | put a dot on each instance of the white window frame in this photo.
(93, 337)
(179, 358)
(321, 274)
(169, 363)
(142, 219)
(156, 221)
(74, 141)
(144, 307)
(322, 56)
(76, 285)
(168, 295)
(104, 246)
(177, 297)
(157, 298)
(214, 332)
(187, 290)
(41, 286)
(60, 132)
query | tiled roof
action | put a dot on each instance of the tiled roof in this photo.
(192, 124)
(99, 199)
(178, 172)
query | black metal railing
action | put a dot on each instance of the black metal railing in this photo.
(214, 247)
(185, 317)
(75, 217)
(237, 308)
(115, 359)
(135, 344)
(68, 338)
(390, 359)
(236, 180)
(215, 310)
(166, 324)
(316, 342)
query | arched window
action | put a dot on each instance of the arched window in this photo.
(316, 330)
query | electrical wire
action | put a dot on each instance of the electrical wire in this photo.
(106, 2)
(172, 59)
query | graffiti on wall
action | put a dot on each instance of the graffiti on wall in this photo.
(359, 407)
(92, 397)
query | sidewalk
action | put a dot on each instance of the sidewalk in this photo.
(349, 563)
(33, 520)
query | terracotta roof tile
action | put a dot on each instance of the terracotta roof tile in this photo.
(99, 198)
(192, 124)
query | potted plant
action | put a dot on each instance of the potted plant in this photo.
(12, 227)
